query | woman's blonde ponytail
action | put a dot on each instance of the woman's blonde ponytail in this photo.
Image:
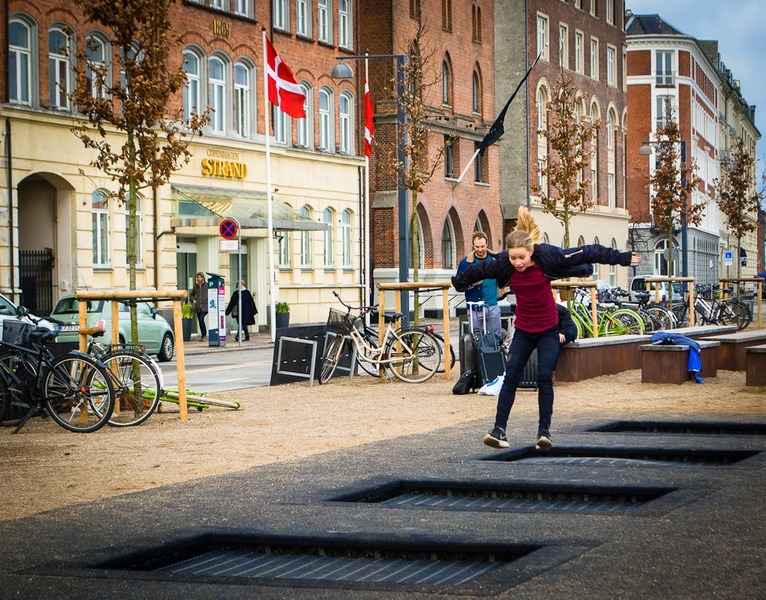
(526, 233)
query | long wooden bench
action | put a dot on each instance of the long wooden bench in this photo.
(669, 363)
(704, 330)
(592, 357)
(755, 365)
(731, 354)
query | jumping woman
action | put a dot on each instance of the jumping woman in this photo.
(531, 266)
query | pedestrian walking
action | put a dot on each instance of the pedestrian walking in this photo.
(199, 302)
(244, 314)
(529, 267)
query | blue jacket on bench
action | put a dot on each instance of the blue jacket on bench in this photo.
(695, 363)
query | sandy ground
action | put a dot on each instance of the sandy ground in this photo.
(45, 467)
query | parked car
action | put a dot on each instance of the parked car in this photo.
(638, 284)
(8, 311)
(154, 332)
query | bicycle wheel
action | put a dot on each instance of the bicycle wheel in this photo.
(733, 312)
(78, 393)
(444, 353)
(371, 337)
(665, 318)
(137, 387)
(414, 355)
(331, 358)
(623, 322)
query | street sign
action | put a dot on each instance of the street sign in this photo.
(229, 228)
(728, 258)
(229, 245)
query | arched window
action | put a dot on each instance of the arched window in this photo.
(346, 117)
(306, 249)
(192, 99)
(100, 227)
(661, 258)
(97, 51)
(611, 158)
(594, 157)
(20, 62)
(243, 99)
(59, 69)
(326, 120)
(217, 95)
(477, 93)
(346, 237)
(447, 15)
(446, 83)
(328, 218)
(306, 125)
(448, 245)
(613, 268)
(542, 147)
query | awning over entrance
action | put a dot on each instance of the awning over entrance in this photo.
(200, 206)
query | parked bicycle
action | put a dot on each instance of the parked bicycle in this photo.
(711, 310)
(412, 355)
(611, 320)
(656, 317)
(75, 389)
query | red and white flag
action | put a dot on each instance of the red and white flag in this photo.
(284, 91)
(369, 126)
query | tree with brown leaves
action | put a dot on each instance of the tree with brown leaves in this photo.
(570, 142)
(124, 101)
(738, 198)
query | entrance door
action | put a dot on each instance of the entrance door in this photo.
(36, 273)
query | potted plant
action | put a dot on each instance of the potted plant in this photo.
(187, 316)
(283, 315)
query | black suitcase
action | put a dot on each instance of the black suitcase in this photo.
(467, 352)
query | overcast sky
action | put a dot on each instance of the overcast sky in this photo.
(738, 25)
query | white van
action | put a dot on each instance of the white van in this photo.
(638, 285)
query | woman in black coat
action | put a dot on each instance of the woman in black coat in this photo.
(245, 315)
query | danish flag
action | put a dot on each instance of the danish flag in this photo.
(369, 126)
(284, 91)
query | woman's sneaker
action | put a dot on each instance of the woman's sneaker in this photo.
(496, 438)
(544, 442)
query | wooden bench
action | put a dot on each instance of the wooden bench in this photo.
(731, 354)
(755, 363)
(704, 330)
(669, 363)
(592, 357)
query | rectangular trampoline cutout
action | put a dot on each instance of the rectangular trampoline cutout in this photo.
(609, 456)
(241, 559)
(682, 427)
(513, 497)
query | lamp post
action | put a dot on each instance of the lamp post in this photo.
(344, 71)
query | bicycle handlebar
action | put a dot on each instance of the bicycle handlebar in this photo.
(349, 307)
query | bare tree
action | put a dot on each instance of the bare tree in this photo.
(738, 198)
(570, 143)
(128, 102)
(672, 184)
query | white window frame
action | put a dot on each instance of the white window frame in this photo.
(243, 99)
(192, 92)
(594, 58)
(100, 228)
(59, 69)
(306, 126)
(281, 15)
(346, 220)
(346, 122)
(243, 8)
(664, 61)
(609, 12)
(303, 17)
(324, 21)
(98, 58)
(21, 63)
(579, 52)
(345, 25)
(306, 242)
(611, 65)
(543, 36)
(328, 218)
(326, 120)
(563, 46)
(283, 249)
(280, 123)
(217, 95)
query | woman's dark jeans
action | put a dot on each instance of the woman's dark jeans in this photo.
(547, 344)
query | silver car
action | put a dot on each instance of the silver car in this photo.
(154, 332)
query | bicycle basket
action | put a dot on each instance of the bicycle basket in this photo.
(17, 332)
(339, 322)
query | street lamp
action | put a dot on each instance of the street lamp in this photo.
(344, 71)
(646, 150)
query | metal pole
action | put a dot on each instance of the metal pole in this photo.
(684, 227)
(403, 204)
(239, 287)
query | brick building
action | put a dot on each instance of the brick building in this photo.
(673, 74)
(583, 41)
(55, 210)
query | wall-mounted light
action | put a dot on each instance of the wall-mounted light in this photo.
(342, 71)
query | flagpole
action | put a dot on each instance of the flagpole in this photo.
(366, 196)
(470, 162)
(273, 291)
